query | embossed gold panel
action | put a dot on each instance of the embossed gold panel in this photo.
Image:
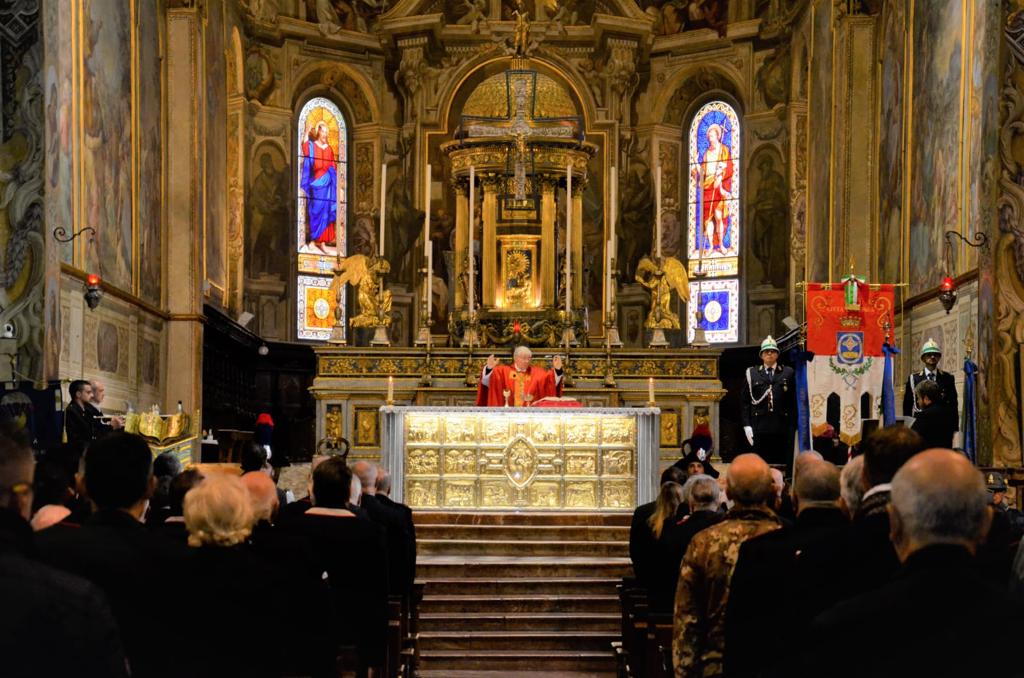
(515, 459)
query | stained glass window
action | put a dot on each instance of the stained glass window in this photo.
(321, 212)
(713, 234)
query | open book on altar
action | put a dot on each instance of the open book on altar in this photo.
(555, 401)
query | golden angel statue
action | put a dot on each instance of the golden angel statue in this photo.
(365, 273)
(521, 37)
(671, 275)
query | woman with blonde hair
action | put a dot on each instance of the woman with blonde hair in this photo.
(669, 499)
(218, 512)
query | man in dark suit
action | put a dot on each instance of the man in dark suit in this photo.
(783, 579)
(925, 621)
(641, 539)
(767, 407)
(930, 356)
(115, 551)
(383, 490)
(399, 541)
(934, 421)
(53, 624)
(80, 427)
(352, 552)
(704, 499)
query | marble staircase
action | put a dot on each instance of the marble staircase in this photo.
(520, 594)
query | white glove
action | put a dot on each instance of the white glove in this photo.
(749, 432)
(958, 440)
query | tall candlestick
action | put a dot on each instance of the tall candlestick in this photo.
(568, 240)
(650, 390)
(472, 224)
(657, 212)
(426, 212)
(383, 195)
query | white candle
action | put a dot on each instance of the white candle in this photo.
(426, 212)
(568, 239)
(391, 389)
(650, 389)
(657, 213)
(613, 210)
(609, 282)
(383, 194)
(430, 285)
(472, 223)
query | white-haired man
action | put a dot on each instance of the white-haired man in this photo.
(523, 382)
(925, 620)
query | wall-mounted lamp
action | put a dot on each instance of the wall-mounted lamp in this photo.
(947, 290)
(61, 235)
(93, 293)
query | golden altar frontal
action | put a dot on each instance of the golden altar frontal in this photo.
(571, 459)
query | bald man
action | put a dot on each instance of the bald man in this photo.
(939, 616)
(784, 578)
(399, 541)
(704, 577)
(262, 495)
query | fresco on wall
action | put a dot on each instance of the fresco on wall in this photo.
(768, 208)
(150, 144)
(890, 163)
(106, 141)
(267, 230)
(935, 124)
(982, 116)
(819, 142)
(216, 144)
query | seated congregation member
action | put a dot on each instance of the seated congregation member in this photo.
(704, 498)
(238, 595)
(352, 552)
(641, 539)
(698, 632)
(666, 509)
(383, 487)
(56, 501)
(783, 579)
(871, 559)
(398, 539)
(173, 523)
(851, 488)
(939, 616)
(53, 623)
(254, 458)
(934, 420)
(115, 551)
(166, 467)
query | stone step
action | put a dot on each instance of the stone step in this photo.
(497, 547)
(517, 660)
(521, 621)
(580, 641)
(519, 518)
(520, 603)
(505, 586)
(524, 532)
(448, 566)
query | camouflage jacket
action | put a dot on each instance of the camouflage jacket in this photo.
(698, 634)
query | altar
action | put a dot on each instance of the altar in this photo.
(515, 458)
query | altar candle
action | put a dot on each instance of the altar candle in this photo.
(650, 389)
(391, 389)
(613, 210)
(568, 240)
(472, 223)
(657, 212)
(430, 285)
(383, 194)
(426, 213)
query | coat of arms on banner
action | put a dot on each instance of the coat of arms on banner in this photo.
(846, 339)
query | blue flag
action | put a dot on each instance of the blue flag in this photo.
(970, 421)
(799, 359)
(888, 390)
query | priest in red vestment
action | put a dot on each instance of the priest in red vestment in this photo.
(525, 384)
